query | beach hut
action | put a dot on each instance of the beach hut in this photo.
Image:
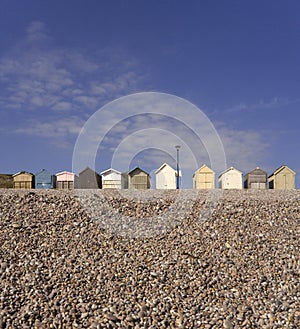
(66, 180)
(138, 179)
(204, 178)
(23, 180)
(165, 177)
(256, 179)
(89, 179)
(282, 178)
(231, 179)
(44, 180)
(111, 178)
(6, 181)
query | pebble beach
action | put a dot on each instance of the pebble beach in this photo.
(239, 267)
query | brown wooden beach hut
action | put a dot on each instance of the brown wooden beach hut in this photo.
(256, 179)
(138, 179)
(23, 180)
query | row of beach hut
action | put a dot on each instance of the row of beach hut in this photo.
(165, 178)
(87, 179)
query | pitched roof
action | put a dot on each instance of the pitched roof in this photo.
(22, 172)
(43, 170)
(137, 168)
(281, 168)
(65, 172)
(162, 167)
(202, 167)
(229, 169)
(88, 169)
(107, 171)
(256, 171)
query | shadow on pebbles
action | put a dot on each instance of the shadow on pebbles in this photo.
(149, 259)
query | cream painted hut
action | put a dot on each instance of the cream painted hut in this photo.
(66, 180)
(282, 178)
(23, 180)
(165, 177)
(204, 178)
(231, 179)
(111, 178)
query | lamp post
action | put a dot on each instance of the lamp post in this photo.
(177, 167)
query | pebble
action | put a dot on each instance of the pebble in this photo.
(227, 324)
(62, 268)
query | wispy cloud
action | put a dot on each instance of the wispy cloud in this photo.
(245, 149)
(54, 129)
(273, 103)
(36, 74)
(129, 127)
(36, 31)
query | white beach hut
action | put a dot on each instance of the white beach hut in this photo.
(231, 179)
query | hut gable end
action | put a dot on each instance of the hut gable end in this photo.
(89, 179)
(231, 179)
(165, 177)
(139, 179)
(23, 180)
(111, 178)
(204, 178)
(256, 179)
(44, 179)
(282, 178)
(66, 180)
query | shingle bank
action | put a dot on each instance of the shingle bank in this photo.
(238, 268)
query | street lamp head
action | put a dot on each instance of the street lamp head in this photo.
(177, 147)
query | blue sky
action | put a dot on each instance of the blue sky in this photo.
(237, 61)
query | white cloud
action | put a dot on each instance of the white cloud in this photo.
(62, 106)
(124, 127)
(36, 31)
(81, 62)
(116, 87)
(88, 101)
(245, 149)
(274, 103)
(38, 75)
(69, 126)
(159, 139)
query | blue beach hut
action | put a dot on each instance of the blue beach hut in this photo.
(44, 180)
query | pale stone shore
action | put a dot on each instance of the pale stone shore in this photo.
(149, 259)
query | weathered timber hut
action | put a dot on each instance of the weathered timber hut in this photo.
(89, 179)
(44, 180)
(165, 177)
(282, 178)
(66, 180)
(204, 178)
(138, 179)
(111, 178)
(256, 179)
(6, 181)
(23, 180)
(231, 179)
